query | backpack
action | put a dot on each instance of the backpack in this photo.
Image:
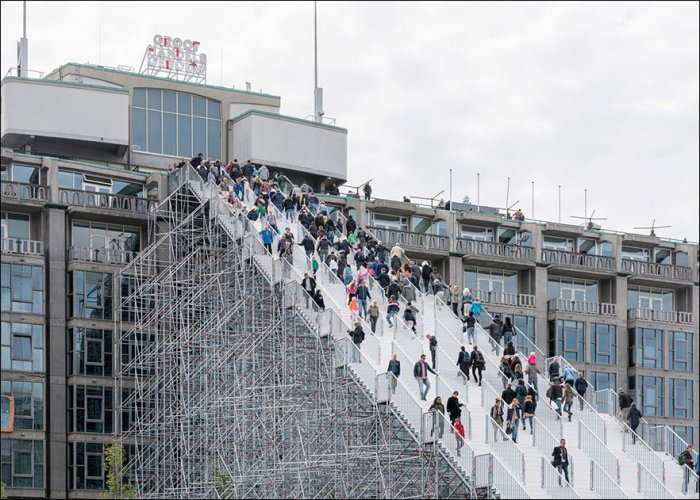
(680, 459)
(549, 393)
(480, 358)
(522, 391)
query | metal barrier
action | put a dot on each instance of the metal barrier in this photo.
(690, 481)
(643, 453)
(106, 255)
(504, 447)
(649, 483)
(503, 481)
(134, 204)
(598, 451)
(603, 484)
(554, 482)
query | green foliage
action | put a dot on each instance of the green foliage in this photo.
(114, 465)
(221, 484)
(3, 493)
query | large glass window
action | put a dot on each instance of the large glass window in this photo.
(25, 174)
(646, 346)
(526, 329)
(604, 380)
(477, 233)
(566, 339)
(390, 221)
(557, 243)
(487, 280)
(656, 299)
(89, 352)
(650, 395)
(22, 347)
(572, 289)
(680, 351)
(680, 403)
(85, 466)
(685, 432)
(175, 123)
(29, 403)
(90, 409)
(14, 226)
(603, 344)
(105, 242)
(22, 463)
(635, 253)
(92, 295)
(22, 288)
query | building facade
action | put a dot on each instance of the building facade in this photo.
(84, 158)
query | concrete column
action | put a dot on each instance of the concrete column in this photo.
(55, 341)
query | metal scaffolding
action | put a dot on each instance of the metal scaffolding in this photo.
(226, 390)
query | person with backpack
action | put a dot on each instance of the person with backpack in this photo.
(478, 363)
(685, 460)
(506, 371)
(554, 393)
(495, 333)
(521, 394)
(624, 402)
(570, 374)
(466, 302)
(633, 418)
(469, 323)
(464, 362)
(581, 384)
(554, 370)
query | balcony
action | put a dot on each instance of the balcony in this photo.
(489, 251)
(104, 255)
(582, 307)
(22, 246)
(505, 298)
(91, 199)
(654, 270)
(578, 260)
(23, 191)
(410, 240)
(660, 316)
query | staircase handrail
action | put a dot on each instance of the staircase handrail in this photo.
(648, 482)
(603, 484)
(597, 450)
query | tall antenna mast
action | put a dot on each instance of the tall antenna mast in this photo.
(318, 92)
(23, 46)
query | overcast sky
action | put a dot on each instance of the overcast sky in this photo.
(601, 97)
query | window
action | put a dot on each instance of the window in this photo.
(22, 347)
(526, 328)
(571, 289)
(681, 258)
(85, 466)
(655, 299)
(477, 233)
(680, 351)
(685, 433)
(90, 409)
(662, 256)
(92, 295)
(29, 403)
(646, 348)
(21, 173)
(105, 242)
(14, 226)
(22, 288)
(22, 463)
(490, 280)
(680, 404)
(650, 395)
(90, 352)
(634, 253)
(390, 222)
(603, 344)
(557, 243)
(604, 380)
(175, 123)
(566, 339)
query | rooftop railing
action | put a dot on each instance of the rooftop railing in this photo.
(411, 239)
(134, 204)
(505, 298)
(105, 255)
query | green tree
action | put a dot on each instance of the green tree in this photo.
(114, 463)
(3, 493)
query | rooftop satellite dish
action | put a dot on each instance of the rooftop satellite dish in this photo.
(652, 227)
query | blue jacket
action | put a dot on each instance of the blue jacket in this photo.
(266, 236)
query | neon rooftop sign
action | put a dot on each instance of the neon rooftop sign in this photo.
(175, 58)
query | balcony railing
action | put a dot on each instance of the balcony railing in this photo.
(411, 239)
(22, 246)
(505, 298)
(582, 307)
(492, 249)
(644, 314)
(119, 202)
(654, 269)
(24, 191)
(578, 259)
(106, 255)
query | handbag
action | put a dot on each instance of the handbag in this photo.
(509, 429)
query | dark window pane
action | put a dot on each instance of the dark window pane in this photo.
(155, 137)
(169, 134)
(169, 101)
(154, 99)
(139, 98)
(138, 129)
